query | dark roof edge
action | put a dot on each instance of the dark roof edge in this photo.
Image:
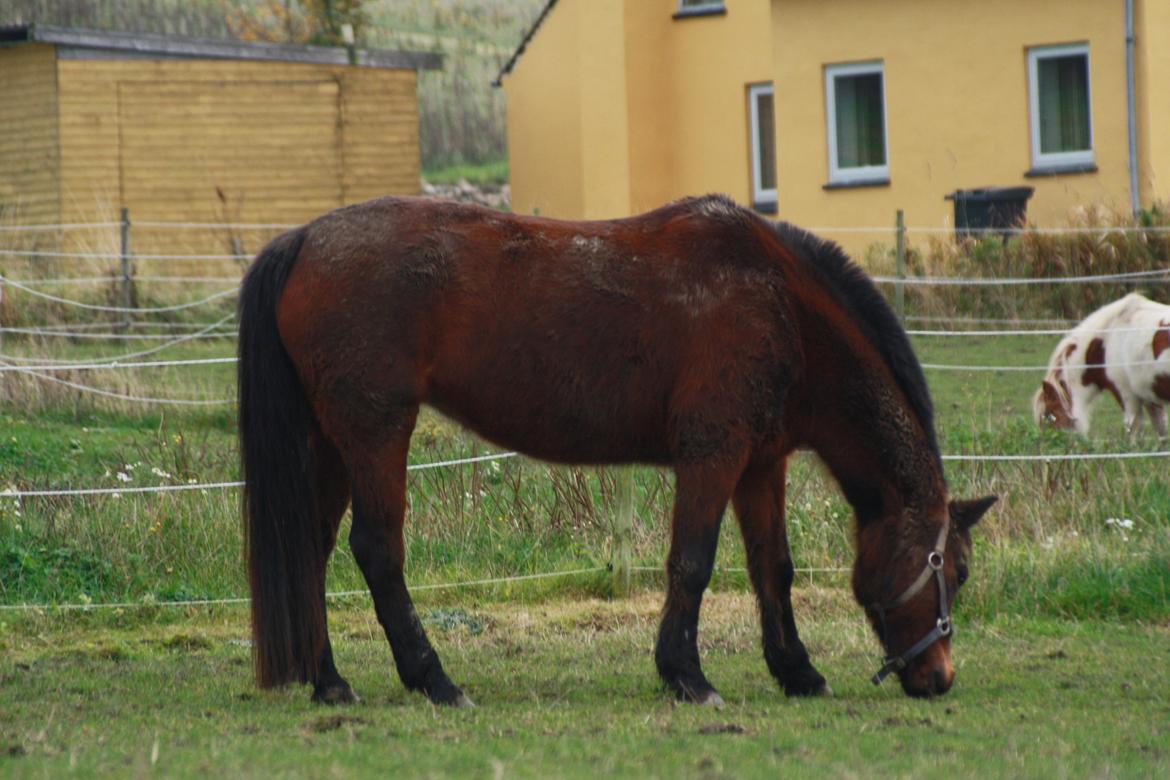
(511, 63)
(212, 48)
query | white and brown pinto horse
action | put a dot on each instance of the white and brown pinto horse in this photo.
(1122, 348)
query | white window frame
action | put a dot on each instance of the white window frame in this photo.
(863, 173)
(709, 5)
(1057, 159)
(760, 196)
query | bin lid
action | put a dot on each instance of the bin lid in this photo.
(991, 193)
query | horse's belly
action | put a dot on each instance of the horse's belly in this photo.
(571, 428)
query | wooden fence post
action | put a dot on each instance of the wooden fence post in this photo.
(126, 266)
(623, 532)
(900, 267)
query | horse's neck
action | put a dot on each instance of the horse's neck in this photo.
(863, 429)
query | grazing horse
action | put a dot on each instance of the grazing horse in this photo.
(1123, 348)
(698, 337)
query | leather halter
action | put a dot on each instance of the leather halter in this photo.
(942, 627)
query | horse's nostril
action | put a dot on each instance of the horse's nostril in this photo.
(940, 681)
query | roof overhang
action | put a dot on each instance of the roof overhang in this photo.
(77, 43)
(528, 36)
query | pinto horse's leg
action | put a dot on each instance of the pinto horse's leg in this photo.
(1133, 419)
(1157, 414)
(701, 495)
(379, 506)
(332, 491)
(759, 506)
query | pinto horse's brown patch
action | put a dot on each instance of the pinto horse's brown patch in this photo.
(1161, 338)
(1095, 369)
(1162, 386)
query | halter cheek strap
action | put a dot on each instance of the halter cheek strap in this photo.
(942, 626)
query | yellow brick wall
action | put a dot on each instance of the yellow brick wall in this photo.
(28, 135)
(282, 141)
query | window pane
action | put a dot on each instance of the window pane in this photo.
(1064, 103)
(765, 121)
(860, 124)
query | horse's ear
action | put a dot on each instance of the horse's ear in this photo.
(1051, 395)
(966, 512)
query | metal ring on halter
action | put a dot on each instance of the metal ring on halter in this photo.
(935, 560)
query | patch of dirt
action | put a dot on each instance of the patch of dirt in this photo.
(722, 728)
(1057, 655)
(16, 751)
(334, 722)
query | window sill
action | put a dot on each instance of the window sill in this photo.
(883, 181)
(765, 207)
(1060, 170)
(694, 13)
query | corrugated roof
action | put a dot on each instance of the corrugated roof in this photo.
(179, 47)
(511, 63)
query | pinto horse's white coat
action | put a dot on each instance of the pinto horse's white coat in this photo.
(1122, 348)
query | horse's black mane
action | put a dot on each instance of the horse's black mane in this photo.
(861, 298)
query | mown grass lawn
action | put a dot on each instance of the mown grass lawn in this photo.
(567, 689)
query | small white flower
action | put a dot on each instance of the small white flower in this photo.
(1121, 523)
(160, 473)
(124, 477)
(115, 495)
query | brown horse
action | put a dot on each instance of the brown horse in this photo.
(698, 336)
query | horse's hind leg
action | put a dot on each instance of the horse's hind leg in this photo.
(332, 495)
(759, 505)
(701, 495)
(379, 506)
(1157, 414)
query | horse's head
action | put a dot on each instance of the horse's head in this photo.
(907, 585)
(1052, 406)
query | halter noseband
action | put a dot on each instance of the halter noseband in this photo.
(942, 627)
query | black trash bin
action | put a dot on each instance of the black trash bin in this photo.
(990, 208)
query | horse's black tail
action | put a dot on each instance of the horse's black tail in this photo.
(283, 545)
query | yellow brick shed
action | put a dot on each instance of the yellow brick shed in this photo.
(181, 129)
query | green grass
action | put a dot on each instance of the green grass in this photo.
(490, 173)
(568, 689)
(1046, 549)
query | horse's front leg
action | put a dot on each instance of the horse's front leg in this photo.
(701, 495)
(759, 506)
(1133, 418)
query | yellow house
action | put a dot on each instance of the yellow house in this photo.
(182, 129)
(836, 113)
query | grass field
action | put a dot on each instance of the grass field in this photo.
(1062, 650)
(567, 688)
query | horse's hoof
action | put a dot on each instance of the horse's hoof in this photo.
(711, 699)
(335, 694)
(462, 702)
(810, 683)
